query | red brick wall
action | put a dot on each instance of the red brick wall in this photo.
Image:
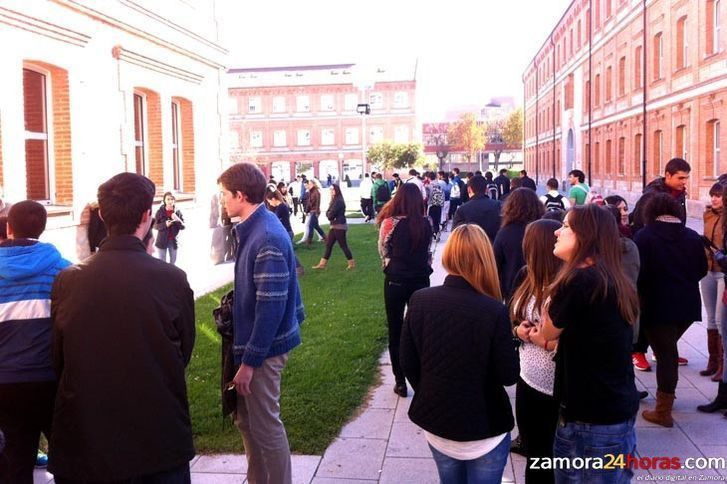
(187, 136)
(154, 138)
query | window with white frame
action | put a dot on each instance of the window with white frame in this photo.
(256, 139)
(140, 133)
(351, 136)
(303, 137)
(328, 136)
(716, 152)
(254, 105)
(401, 99)
(37, 162)
(401, 134)
(302, 104)
(376, 100)
(279, 104)
(350, 101)
(376, 134)
(327, 102)
(176, 149)
(279, 138)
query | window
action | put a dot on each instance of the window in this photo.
(579, 33)
(638, 153)
(638, 63)
(256, 139)
(571, 41)
(376, 100)
(328, 136)
(621, 155)
(608, 9)
(713, 149)
(303, 137)
(279, 104)
(327, 102)
(658, 56)
(597, 91)
(176, 164)
(681, 142)
(597, 13)
(622, 76)
(401, 134)
(401, 99)
(597, 157)
(279, 138)
(682, 43)
(139, 134)
(302, 104)
(658, 147)
(350, 101)
(35, 110)
(712, 24)
(609, 78)
(351, 136)
(586, 96)
(609, 160)
(254, 105)
(376, 134)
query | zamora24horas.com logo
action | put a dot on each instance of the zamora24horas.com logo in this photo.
(628, 461)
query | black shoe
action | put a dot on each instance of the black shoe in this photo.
(643, 394)
(516, 447)
(400, 389)
(719, 403)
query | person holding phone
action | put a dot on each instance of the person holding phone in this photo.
(168, 223)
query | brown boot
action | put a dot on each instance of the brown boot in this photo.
(720, 361)
(351, 264)
(713, 340)
(322, 264)
(661, 415)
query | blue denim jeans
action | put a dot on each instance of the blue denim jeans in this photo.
(487, 469)
(162, 254)
(579, 441)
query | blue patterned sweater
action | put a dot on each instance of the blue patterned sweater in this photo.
(268, 308)
(27, 271)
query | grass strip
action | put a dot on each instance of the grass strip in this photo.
(328, 376)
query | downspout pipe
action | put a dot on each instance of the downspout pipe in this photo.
(552, 44)
(537, 122)
(643, 102)
(590, 88)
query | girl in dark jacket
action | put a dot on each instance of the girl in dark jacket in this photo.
(458, 353)
(672, 264)
(521, 207)
(336, 215)
(275, 202)
(168, 223)
(404, 239)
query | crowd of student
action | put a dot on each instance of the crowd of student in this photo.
(100, 348)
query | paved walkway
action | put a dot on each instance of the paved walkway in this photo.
(381, 445)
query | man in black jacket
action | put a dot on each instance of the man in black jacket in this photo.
(674, 182)
(123, 333)
(480, 209)
(503, 184)
(527, 182)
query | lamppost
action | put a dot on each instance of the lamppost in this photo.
(364, 109)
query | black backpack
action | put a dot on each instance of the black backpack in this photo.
(382, 193)
(553, 204)
(492, 191)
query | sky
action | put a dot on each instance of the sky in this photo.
(467, 51)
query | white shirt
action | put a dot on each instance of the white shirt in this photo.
(418, 183)
(469, 450)
(365, 187)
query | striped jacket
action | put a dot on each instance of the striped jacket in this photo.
(27, 271)
(268, 308)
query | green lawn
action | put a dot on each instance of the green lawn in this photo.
(328, 376)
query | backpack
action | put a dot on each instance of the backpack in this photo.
(455, 192)
(437, 197)
(492, 191)
(554, 204)
(382, 193)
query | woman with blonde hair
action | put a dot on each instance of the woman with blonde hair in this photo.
(458, 353)
(536, 410)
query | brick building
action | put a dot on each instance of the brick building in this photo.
(621, 86)
(91, 89)
(304, 119)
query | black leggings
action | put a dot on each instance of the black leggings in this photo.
(537, 418)
(396, 297)
(663, 339)
(435, 213)
(337, 235)
(642, 344)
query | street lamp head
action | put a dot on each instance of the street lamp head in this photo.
(363, 108)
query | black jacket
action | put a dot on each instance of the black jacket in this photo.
(123, 333)
(336, 213)
(167, 235)
(638, 216)
(480, 210)
(508, 248)
(672, 263)
(528, 183)
(503, 185)
(458, 353)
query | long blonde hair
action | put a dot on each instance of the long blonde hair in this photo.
(469, 254)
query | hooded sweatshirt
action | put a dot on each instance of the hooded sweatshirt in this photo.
(27, 271)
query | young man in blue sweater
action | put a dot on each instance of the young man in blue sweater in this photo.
(27, 380)
(267, 313)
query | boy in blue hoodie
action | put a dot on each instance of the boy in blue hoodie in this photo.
(27, 380)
